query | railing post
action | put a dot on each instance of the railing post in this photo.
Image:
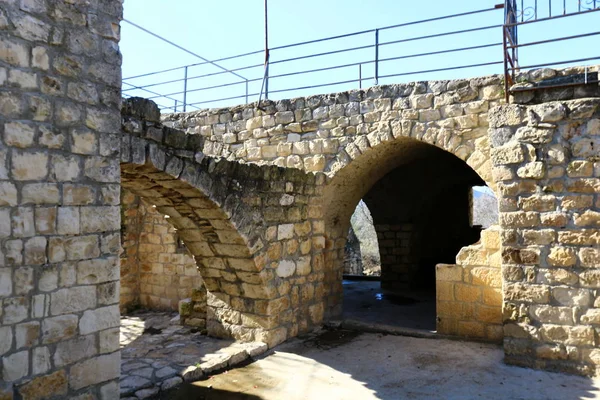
(360, 76)
(376, 56)
(185, 89)
(267, 82)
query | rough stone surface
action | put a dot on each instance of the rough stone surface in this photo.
(52, 173)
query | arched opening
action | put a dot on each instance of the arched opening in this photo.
(362, 257)
(420, 200)
(158, 272)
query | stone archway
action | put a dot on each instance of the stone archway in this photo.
(411, 174)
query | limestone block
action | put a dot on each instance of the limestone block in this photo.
(588, 218)
(75, 349)
(526, 292)
(533, 170)
(286, 268)
(40, 360)
(562, 256)
(99, 369)
(29, 166)
(571, 297)
(15, 366)
(18, 134)
(510, 153)
(15, 309)
(69, 300)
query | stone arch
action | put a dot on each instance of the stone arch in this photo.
(200, 199)
(353, 178)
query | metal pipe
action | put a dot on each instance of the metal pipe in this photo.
(185, 89)
(360, 76)
(376, 56)
(181, 48)
(266, 50)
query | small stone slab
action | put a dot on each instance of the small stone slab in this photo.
(165, 372)
(143, 372)
(132, 384)
(147, 393)
(171, 383)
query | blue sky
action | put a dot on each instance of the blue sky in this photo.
(217, 29)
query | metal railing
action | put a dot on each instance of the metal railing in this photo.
(531, 12)
(462, 41)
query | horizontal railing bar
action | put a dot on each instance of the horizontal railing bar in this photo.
(558, 85)
(203, 76)
(556, 63)
(385, 59)
(181, 48)
(211, 87)
(329, 68)
(320, 85)
(432, 53)
(555, 40)
(368, 46)
(440, 34)
(383, 28)
(150, 91)
(553, 17)
(195, 65)
(223, 99)
(443, 69)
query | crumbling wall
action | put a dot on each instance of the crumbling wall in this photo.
(469, 293)
(59, 199)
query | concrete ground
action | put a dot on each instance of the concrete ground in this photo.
(347, 365)
(364, 301)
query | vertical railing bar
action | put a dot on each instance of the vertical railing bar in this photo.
(564, 7)
(246, 91)
(175, 105)
(376, 56)
(360, 76)
(536, 9)
(185, 81)
(522, 10)
(550, 8)
(579, 8)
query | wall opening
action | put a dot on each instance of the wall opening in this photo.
(421, 209)
(361, 258)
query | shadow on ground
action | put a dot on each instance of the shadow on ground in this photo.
(338, 365)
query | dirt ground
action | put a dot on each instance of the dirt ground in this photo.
(346, 365)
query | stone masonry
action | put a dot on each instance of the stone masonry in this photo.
(59, 199)
(547, 164)
(262, 200)
(157, 271)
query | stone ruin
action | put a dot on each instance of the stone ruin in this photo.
(259, 204)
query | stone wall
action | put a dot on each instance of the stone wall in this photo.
(547, 165)
(469, 293)
(59, 199)
(158, 271)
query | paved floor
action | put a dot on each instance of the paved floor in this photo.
(350, 366)
(158, 354)
(364, 301)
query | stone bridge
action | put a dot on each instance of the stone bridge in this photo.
(262, 198)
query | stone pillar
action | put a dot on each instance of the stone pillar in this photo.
(546, 164)
(59, 198)
(398, 261)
